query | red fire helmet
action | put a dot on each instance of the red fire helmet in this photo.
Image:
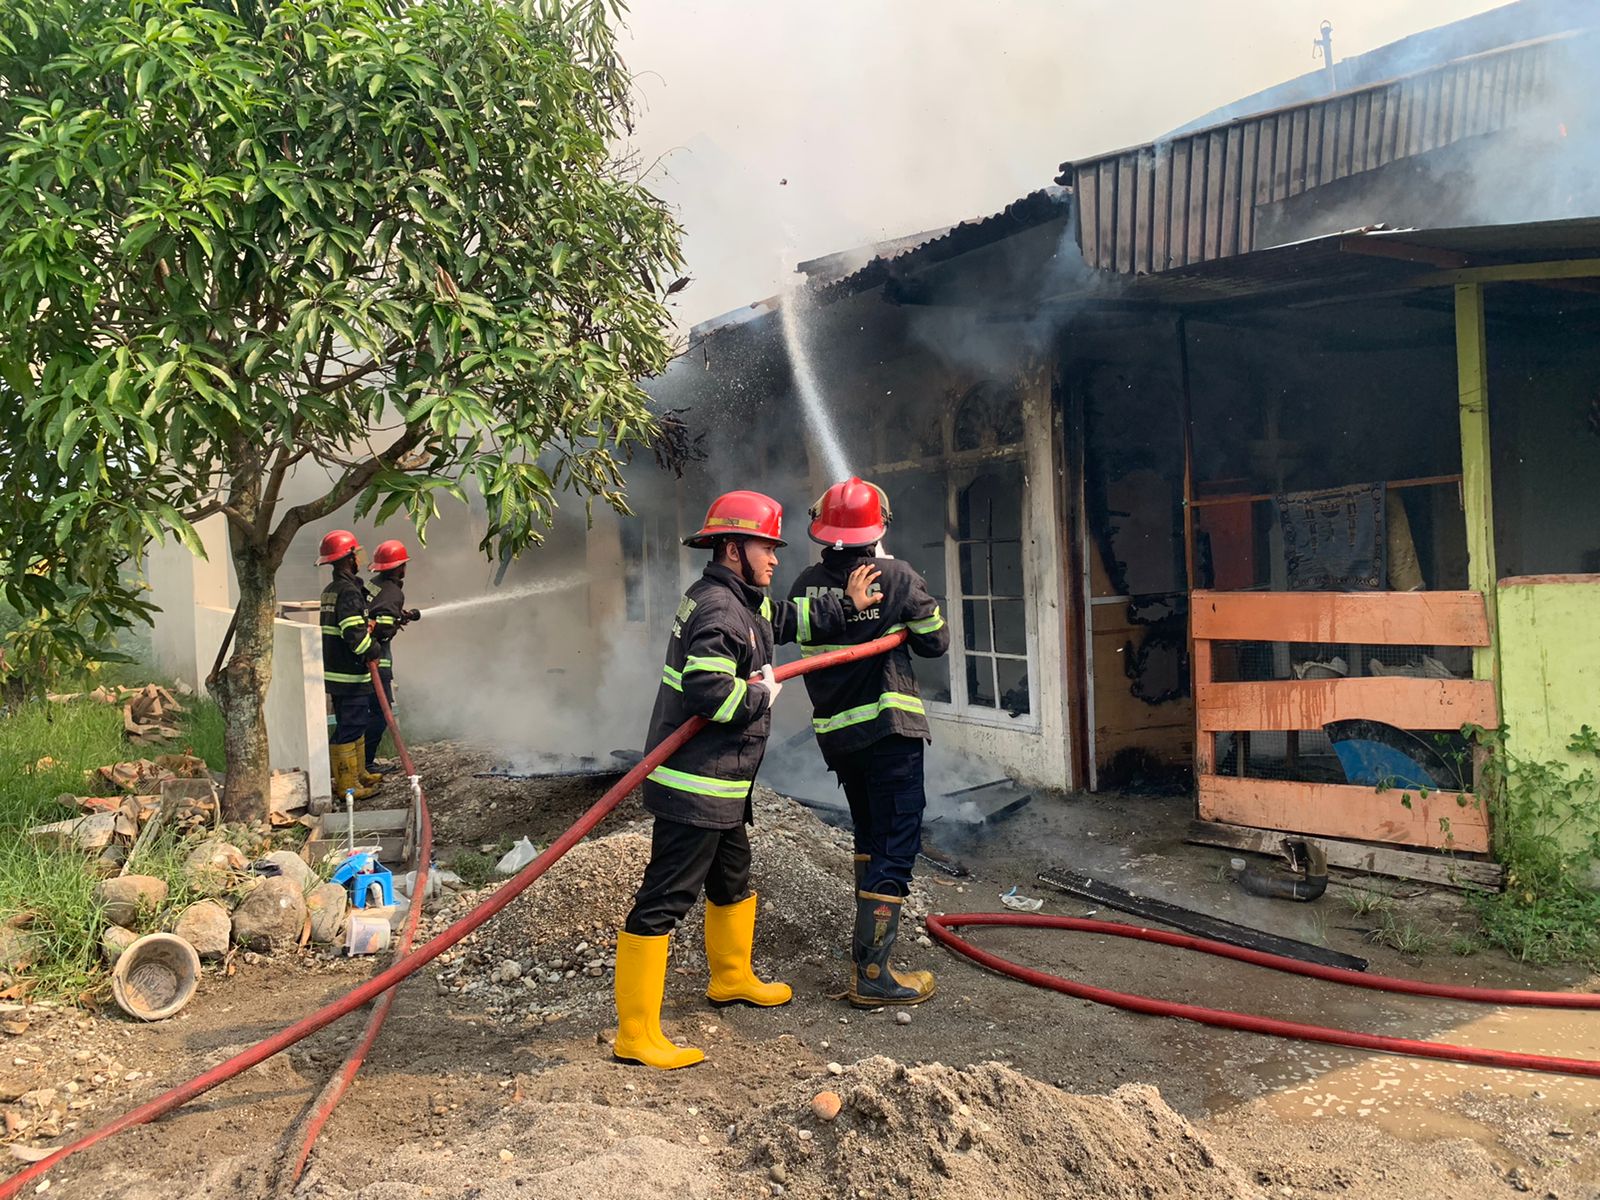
(740, 514)
(335, 545)
(389, 555)
(853, 513)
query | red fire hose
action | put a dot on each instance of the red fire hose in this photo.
(428, 951)
(311, 1126)
(939, 927)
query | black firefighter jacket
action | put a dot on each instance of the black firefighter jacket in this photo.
(723, 633)
(863, 702)
(347, 644)
(387, 608)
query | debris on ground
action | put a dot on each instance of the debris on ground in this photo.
(936, 1131)
(561, 933)
(142, 775)
(147, 715)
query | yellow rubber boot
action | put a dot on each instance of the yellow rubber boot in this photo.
(641, 979)
(730, 934)
(345, 760)
(368, 778)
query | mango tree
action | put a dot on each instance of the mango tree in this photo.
(393, 240)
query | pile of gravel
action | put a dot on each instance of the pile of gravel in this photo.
(550, 954)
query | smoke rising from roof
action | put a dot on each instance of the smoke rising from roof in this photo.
(846, 123)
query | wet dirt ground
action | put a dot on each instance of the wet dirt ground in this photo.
(456, 1103)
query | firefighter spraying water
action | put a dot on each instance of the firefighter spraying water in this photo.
(723, 634)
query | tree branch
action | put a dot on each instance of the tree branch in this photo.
(348, 487)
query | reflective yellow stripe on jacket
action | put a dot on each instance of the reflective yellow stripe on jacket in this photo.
(867, 712)
(928, 624)
(701, 785)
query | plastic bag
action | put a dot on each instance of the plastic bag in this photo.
(1014, 899)
(519, 856)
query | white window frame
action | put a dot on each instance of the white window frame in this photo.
(959, 706)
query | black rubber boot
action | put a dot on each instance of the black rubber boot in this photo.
(874, 981)
(861, 863)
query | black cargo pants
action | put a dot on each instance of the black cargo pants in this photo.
(684, 859)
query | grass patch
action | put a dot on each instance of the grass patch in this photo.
(48, 750)
(1403, 935)
(1364, 903)
(1546, 823)
(476, 870)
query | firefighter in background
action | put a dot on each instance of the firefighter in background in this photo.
(871, 726)
(386, 609)
(724, 632)
(347, 647)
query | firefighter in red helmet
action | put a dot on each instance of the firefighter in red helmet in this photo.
(386, 608)
(871, 726)
(723, 634)
(347, 647)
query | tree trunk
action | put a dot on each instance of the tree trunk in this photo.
(241, 688)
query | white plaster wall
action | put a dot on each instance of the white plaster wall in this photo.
(297, 725)
(178, 580)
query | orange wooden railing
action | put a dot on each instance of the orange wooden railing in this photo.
(1439, 820)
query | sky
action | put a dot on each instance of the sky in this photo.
(782, 130)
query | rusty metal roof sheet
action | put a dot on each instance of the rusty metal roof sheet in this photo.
(1355, 263)
(1193, 198)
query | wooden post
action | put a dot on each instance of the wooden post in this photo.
(1187, 416)
(1477, 492)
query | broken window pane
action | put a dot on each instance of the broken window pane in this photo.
(1010, 627)
(975, 569)
(1005, 562)
(990, 415)
(975, 619)
(918, 534)
(1013, 684)
(980, 680)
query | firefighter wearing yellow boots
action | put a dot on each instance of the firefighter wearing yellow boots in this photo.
(347, 647)
(870, 724)
(723, 634)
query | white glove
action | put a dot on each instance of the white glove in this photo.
(769, 681)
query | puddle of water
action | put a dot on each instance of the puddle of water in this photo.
(1410, 1097)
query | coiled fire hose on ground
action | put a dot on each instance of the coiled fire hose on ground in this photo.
(420, 957)
(939, 928)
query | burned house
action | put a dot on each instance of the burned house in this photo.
(1257, 455)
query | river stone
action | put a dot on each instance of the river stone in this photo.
(327, 904)
(212, 866)
(114, 941)
(206, 927)
(271, 916)
(292, 866)
(124, 895)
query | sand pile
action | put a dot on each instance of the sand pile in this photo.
(550, 954)
(903, 1133)
(935, 1131)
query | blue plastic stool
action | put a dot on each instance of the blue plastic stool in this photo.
(359, 872)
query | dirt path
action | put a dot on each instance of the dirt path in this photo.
(485, 1088)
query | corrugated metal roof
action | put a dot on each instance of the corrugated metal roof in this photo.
(1358, 262)
(1193, 198)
